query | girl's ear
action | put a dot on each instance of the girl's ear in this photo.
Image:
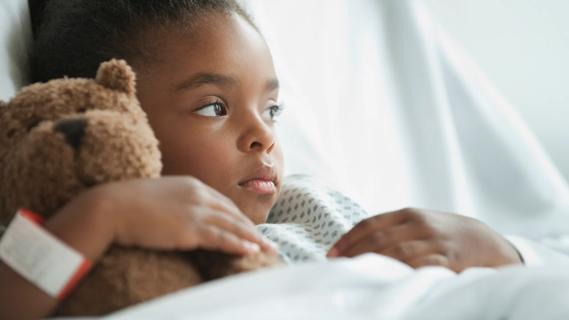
(117, 75)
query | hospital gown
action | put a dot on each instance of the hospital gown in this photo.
(308, 218)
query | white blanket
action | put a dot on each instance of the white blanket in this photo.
(369, 287)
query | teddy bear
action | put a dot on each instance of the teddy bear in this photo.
(59, 138)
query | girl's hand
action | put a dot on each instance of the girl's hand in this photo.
(179, 213)
(420, 238)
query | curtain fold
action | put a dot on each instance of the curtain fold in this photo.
(382, 104)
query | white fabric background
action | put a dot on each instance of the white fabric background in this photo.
(522, 46)
(382, 104)
(15, 34)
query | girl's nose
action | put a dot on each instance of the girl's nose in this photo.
(257, 137)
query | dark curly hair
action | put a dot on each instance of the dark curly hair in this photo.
(72, 37)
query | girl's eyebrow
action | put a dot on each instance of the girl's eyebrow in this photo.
(202, 78)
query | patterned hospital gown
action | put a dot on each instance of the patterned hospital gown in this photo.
(308, 218)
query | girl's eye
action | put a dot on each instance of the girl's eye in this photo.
(274, 111)
(216, 109)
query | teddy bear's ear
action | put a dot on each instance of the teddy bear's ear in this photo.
(117, 75)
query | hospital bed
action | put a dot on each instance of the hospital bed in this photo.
(442, 138)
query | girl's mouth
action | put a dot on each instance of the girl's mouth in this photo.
(263, 181)
(260, 186)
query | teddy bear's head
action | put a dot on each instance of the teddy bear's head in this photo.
(63, 136)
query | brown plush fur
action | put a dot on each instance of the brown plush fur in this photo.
(61, 137)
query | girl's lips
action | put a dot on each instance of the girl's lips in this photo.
(260, 186)
(262, 181)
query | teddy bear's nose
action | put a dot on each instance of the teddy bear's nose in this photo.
(73, 130)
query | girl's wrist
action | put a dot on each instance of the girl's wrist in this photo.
(86, 223)
(110, 210)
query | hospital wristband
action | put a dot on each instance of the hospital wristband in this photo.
(40, 257)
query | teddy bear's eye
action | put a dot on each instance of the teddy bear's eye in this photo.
(82, 110)
(33, 123)
(11, 133)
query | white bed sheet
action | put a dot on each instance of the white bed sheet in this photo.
(369, 287)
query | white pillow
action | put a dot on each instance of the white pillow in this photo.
(15, 39)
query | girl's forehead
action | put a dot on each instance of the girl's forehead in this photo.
(217, 39)
(229, 57)
(229, 45)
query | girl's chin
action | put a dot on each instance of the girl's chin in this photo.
(258, 212)
(253, 205)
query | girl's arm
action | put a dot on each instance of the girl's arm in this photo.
(176, 213)
(421, 237)
(20, 299)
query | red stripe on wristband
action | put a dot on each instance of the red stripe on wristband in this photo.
(32, 216)
(75, 279)
(79, 273)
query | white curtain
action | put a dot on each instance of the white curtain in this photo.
(15, 36)
(384, 106)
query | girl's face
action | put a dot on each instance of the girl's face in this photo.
(212, 100)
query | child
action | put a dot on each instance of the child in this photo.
(207, 82)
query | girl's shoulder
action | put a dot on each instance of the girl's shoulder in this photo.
(308, 218)
(308, 195)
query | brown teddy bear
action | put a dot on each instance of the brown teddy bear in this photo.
(61, 137)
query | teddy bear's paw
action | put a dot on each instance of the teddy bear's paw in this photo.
(214, 265)
(128, 276)
(256, 261)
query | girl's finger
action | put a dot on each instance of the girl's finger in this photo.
(241, 230)
(430, 260)
(219, 202)
(411, 250)
(215, 199)
(374, 240)
(223, 203)
(364, 228)
(214, 238)
(227, 206)
(380, 241)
